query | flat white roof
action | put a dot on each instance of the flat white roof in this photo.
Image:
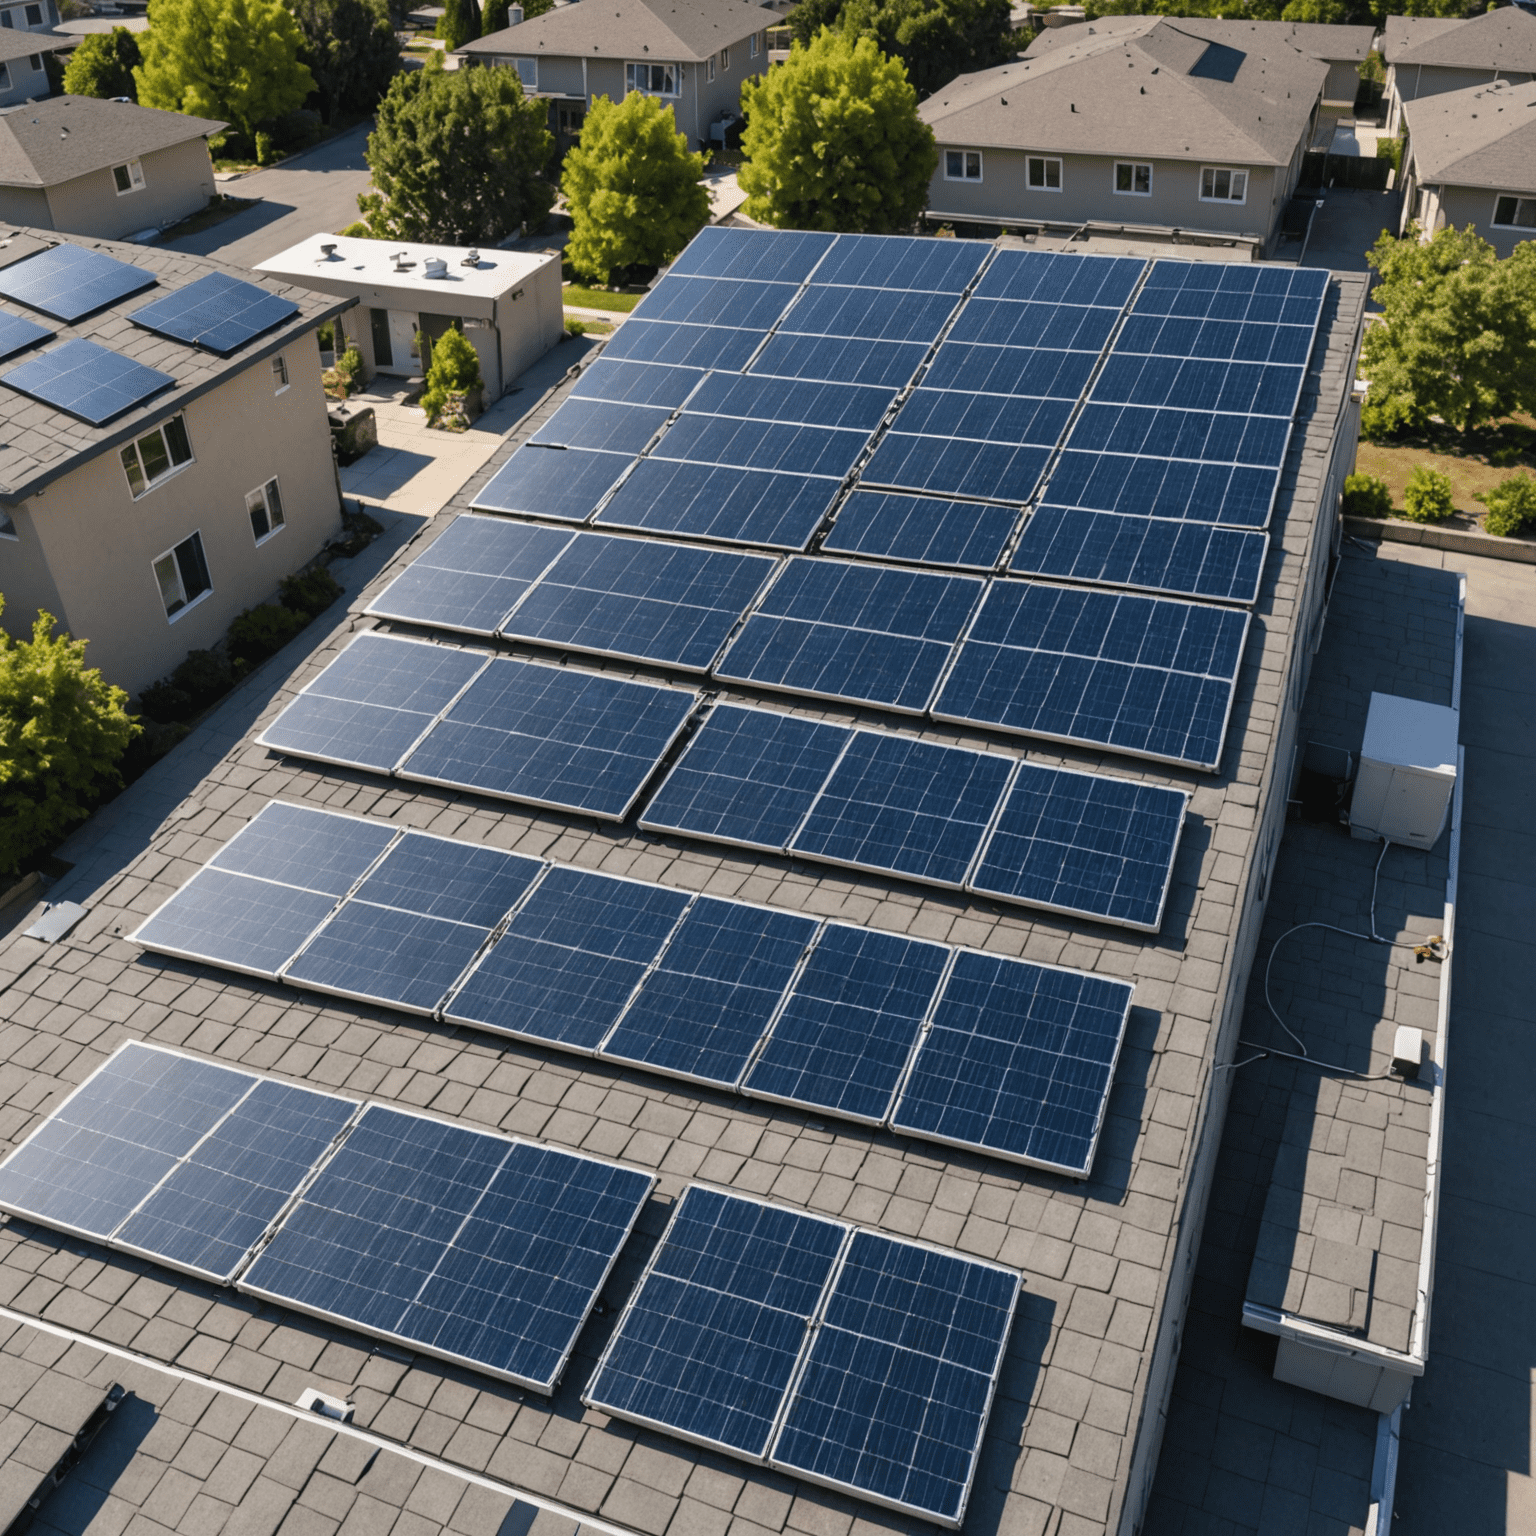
(374, 263)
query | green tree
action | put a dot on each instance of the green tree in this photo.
(1511, 505)
(1428, 497)
(103, 65)
(494, 17)
(460, 24)
(350, 49)
(634, 193)
(232, 59)
(453, 374)
(833, 140)
(457, 156)
(1457, 336)
(62, 729)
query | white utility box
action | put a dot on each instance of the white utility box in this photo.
(1407, 772)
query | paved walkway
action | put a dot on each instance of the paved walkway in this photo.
(1347, 226)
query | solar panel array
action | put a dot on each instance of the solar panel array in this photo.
(218, 312)
(859, 1361)
(87, 380)
(476, 1248)
(869, 1026)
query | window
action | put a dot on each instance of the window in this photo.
(1515, 213)
(129, 177)
(752, 46)
(569, 120)
(34, 15)
(183, 575)
(35, 63)
(156, 455)
(279, 374)
(653, 79)
(5, 77)
(1044, 175)
(528, 73)
(710, 68)
(265, 509)
(7, 527)
(1133, 179)
(725, 59)
(7, 18)
(1218, 185)
(962, 165)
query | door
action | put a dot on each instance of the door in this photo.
(402, 343)
(383, 353)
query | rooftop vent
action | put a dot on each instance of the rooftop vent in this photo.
(471, 259)
(434, 267)
(329, 252)
(403, 262)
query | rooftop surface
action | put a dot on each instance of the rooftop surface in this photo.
(1316, 40)
(1498, 40)
(44, 143)
(659, 30)
(1484, 136)
(354, 262)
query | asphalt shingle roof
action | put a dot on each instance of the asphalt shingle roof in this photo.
(43, 143)
(692, 30)
(1332, 44)
(1504, 39)
(1484, 136)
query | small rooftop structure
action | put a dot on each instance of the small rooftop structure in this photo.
(46, 143)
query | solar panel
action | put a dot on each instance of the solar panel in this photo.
(472, 575)
(738, 444)
(1152, 554)
(858, 407)
(1050, 326)
(371, 705)
(1018, 1060)
(869, 313)
(748, 776)
(1145, 675)
(1085, 845)
(87, 380)
(460, 1244)
(561, 483)
(552, 736)
(1170, 433)
(636, 383)
(1178, 336)
(922, 529)
(730, 301)
(607, 425)
(1275, 295)
(903, 262)
(861, 633)
(642, 599)
(17, 334)
(218, 312)
(684, 346)
(1042, 372)
(1060, 278)
(847, 360)
(69, 281)
(1146, 485)
(779, 255)
(894, 805)
(1197, 384)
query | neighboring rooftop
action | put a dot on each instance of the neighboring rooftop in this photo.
(17, 44)
(1332, 44)
(662, 30)
(43, 143)
(1484, 136)
(342, 263)
(1502, 39)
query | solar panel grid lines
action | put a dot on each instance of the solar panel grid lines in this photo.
(87, 380)
(18, 334)
(562, 484)
(69, 281)
(921, 530)
(217, 312)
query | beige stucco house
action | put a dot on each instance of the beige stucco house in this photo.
(1429, 55)
(102, 168)
(158, 505)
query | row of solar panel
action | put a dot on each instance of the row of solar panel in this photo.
(975, 1050)
(1083, 844)
(750, 1322)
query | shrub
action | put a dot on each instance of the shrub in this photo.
(1428, 497)
(310, 592)
(266, 151)
(1511, 505)
(260, 632)
(1367, 496)
(356, 230)
(341, 380)
(455, 371)
(358, 531)
(200, 679)
(1391, 149)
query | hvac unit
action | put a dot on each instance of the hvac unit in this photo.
(1407, 772)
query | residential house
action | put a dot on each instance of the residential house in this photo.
(30, 16)
(23, 62)
(1148, 127)
(692, 54)
(1470, 159)
(152, 487)
(1429, 55)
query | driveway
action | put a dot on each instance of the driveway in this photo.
(1347, 226)
(312, 192)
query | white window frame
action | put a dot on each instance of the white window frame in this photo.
(710, 68)
(280, 374)
(184, 604)
(30, 23)
(7, 18)
(725, 59)
(8, 528)
(528, 73)
(1517, 200)
(1045, 162)
(1233, 173)
(752, 46)
(965, 157)
(132, 173)
(133, 459)
(1132, 166)
(35, 63)
(632, 70)
(264, 507)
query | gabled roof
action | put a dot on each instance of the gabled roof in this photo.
(44, 143)
(1504, 39)
(1333, 45)
(17, 44)
(1156, 88)
(1484, 136)
(663, 30)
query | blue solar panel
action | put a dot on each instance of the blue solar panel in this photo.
(1019, 1060)
(869, 314)
(641, 598)
(1036, 371)
(994, 447)
(898, 1378)
(69, 281)
(1149, 676)
(86, 380)
(702, 1009)
(778, 255)
(1199, 384)
(563, 483)
(735, 506)
(842, 630)
(846, 360)
(859, 407)
(217, 312)
(684, 346)
(457, 1243)
(636, 383)
(552, 736)
(1146, 485)
(472, 575)
(1051, 326)
(904, 262)
(1060, 278)
(1171, 433)
(17, 334)
(1084, 844)
(749, 776)
(603, 424)
(922, 529)
(1173, 336)
(716, 301)
(895, 805)
(784, 446)
(709, 1342)
(1006, 419)
(847, 1030)
(370, 706)
(1274, 295)
(571, 956)
(1152, 554)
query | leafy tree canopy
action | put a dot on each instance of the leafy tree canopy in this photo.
(460, 23)
(634, 192)
(833, 140)
(457, 156)
(103, 65)
(350, 49)
(232, 59)
(1457, 337)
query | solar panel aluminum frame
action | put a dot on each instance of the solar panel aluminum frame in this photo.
(415, 1346)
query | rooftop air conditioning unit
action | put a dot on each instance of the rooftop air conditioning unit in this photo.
(1407, 772)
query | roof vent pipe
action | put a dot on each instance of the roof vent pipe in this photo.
(471, 259)
(434, 266)
(329, 252)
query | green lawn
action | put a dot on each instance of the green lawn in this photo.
(599, 298)
(1467, 460)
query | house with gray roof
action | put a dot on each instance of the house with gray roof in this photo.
(1147, 128)
(23, 67)
(692, 54)
(1429, 55)
(1471, 160)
